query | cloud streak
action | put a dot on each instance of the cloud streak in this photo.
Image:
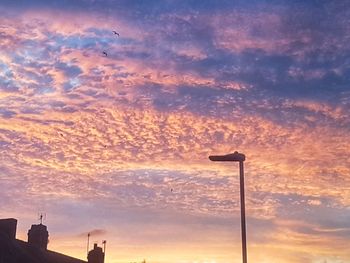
(109, 137)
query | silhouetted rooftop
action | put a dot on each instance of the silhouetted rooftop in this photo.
(13, 250)
(18, 251)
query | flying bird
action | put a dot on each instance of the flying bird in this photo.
(105, 53)
(61, 134)
(116, 33)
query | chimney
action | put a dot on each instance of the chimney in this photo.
(8, 227)
(38, 236)
(96, 255)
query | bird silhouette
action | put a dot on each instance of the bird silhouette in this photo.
(105, 53)
(116, 33)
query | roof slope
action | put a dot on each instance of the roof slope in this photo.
(18, 251)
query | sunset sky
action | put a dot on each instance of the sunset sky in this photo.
(97, 142)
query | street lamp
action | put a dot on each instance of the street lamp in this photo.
(237, 157)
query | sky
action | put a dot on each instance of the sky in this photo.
(118, 145)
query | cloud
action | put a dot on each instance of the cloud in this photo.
(107, 138)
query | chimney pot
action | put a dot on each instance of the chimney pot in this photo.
(38, 236)
(8, 227)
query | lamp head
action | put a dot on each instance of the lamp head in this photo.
(232, 157)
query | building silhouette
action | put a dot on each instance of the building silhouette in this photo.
(38, 236)
(96, 255)
(13, 250)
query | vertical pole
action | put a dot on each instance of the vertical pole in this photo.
(87, 247)
(243, 226)
(104, 249)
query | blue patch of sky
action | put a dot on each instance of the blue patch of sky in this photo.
(141, 8)
(67, 87)
(46, 90)
(71, 84)
(216, 101)
(69, 70)
(5, 71)
(4, 144)
(31, 51)
(31, 111)
(41, 79)
(100, 32)
(74, 42)
(8, 85)
(6, 79)
(5, 113)
(327, 213)
(270, 72)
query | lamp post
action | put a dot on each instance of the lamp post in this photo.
(237, 157)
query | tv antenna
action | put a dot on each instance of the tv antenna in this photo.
(41, 217)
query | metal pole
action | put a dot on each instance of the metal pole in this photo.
(243, 228)
(104, 249)
(87, 246)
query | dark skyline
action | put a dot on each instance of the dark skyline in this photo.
(34, 249)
